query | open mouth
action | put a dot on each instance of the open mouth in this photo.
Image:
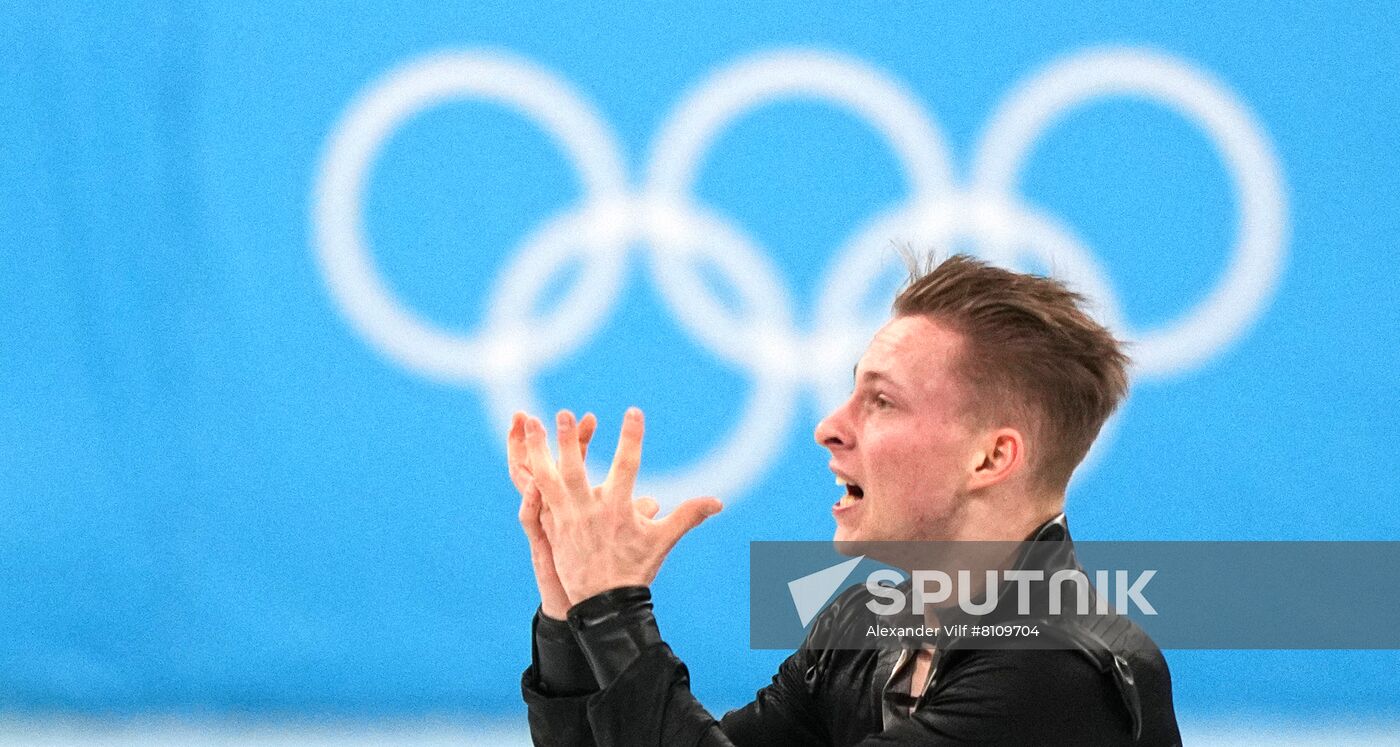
(853, 493)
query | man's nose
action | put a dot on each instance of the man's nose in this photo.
(832, 432)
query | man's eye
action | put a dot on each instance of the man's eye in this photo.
(882, 402)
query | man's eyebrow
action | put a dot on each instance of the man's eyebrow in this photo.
(871, 375)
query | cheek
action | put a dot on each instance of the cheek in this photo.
(925, 462)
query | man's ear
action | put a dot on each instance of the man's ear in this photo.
(999, 454)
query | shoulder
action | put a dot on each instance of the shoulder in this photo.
(1050, 696)
(1101, 683)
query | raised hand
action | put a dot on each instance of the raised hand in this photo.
(553, 601)
(598, 537)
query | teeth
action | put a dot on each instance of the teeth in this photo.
(846, 500)
(840, 482)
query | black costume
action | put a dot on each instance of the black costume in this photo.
(606, 677)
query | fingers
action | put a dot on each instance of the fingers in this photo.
(586, 427)
(527, 452)
(686, 517)
(570, 454)
(646, 506)
(542, 468)
(622, 477)
(516, 458)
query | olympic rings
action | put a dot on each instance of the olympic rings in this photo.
(759, 334)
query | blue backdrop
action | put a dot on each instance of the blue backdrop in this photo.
(270, 276)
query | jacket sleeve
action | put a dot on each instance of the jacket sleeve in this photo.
(557, 685)
(644, 696)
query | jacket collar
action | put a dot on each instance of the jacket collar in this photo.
(1048, 548)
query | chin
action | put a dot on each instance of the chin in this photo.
(848, 548)
(854, 535)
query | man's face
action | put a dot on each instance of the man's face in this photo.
(899, 442)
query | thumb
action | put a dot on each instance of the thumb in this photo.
(687, 516)
(646, 506)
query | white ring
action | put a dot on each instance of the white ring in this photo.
(1257, 259)
(345, 260)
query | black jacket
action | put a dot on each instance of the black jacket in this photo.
(606, 677)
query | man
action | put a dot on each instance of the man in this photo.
(971, 408)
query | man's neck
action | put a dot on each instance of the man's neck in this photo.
(1003, 525)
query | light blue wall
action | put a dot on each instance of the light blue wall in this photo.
(217, 491)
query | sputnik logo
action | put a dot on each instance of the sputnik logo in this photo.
(811, 592)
